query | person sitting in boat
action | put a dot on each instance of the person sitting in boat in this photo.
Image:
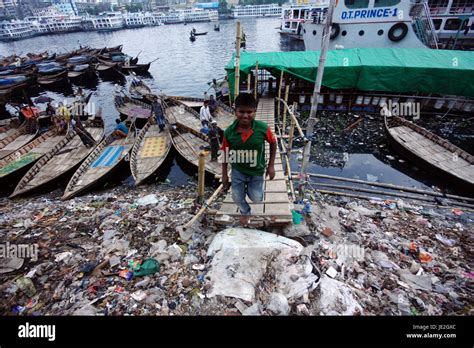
(212, 104)
(50, 109)
(157, 109)
(59, 124)
(63, 112)
(120, 130)
(205, 114)
(127, 62)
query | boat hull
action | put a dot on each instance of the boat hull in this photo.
(457, 182)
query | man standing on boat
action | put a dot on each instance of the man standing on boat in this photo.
(244, 148)
(157, 110)
(214, 140)
(205, 114)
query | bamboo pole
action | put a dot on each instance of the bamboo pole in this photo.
(370, 198)
(320, 72)
(287, 162)
(390, 186)
(293, 117)
(256, 81)
(291, 136)
(237, 61)
(249, 82)
(287, 91)
(201, 176)
(303, 176)
(204, 207)
(279, 95)
(385, 193)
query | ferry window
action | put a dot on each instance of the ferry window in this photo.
(380, 32)
(287, 24)
(452, 24)
(437, 23)
(461, 6)
(344, 33)
(356, 3)
(314, 32)
(361, 33)
(386, 3)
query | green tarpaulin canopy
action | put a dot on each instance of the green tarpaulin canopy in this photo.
(407, 70)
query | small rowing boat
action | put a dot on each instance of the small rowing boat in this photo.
(63, 158)
(132, 108)
(430, 151)
(104, 160)
(186, 137)
(150, 150)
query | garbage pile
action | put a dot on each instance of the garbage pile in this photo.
(125, 252)
(390, 258)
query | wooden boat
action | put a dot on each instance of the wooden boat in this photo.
(15, 165)
(140, 89)
(80, 71)
(137, 68)
(107, 68)
(13, 138)
(112, 49)
(149, 151)
(13, 82)
(223, 114)
(132, 108)
(186, 137)
(62, 159)
(203, 33)
(119, 58)
(217, 28)
(107, 157)
(432, 152)
(53, 80)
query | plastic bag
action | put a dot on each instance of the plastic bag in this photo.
(149, 266)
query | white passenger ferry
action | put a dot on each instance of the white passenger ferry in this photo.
(200, 15)
(190, 16)
(294, 14)
(453, 21)
(15, 30)
(107, 21)
(270, 10)
(386, 23)
(55, 24)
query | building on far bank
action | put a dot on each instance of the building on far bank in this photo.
(66, 6)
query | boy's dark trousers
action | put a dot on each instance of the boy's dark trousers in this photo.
(214, 148)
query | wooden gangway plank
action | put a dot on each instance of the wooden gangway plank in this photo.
(275, 208)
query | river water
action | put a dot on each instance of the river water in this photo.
(185, 68)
